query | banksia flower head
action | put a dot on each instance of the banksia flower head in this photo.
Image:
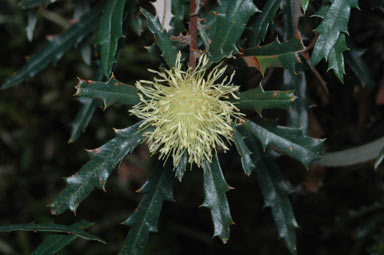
(188, 111)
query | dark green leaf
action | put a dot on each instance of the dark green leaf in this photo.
(134, 20)
(379, 158)
(180, 169)
(51, 244)
(245, 153)
(55, 49)
(110, 31)
(260, 27)
(83, 117)
(180, 11)
(96, 172)
(162, 38)
(304, 4)
(230, 26)
(336, 58)
(25, 4)
(110, 92)
(257, 99)
(377, 4)
(32, 19)
(51, 227)
(215, 188)
(359, 67)
(288, 140)
(156, 190)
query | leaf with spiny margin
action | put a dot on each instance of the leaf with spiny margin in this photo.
(55, 49)
(51, 227)
(209, 20)
(215, 188)
(379, 159)
(260, 27)
(257, 99)
(95, 172)
(275, 191)
(335, 22)
(25, 4)
(110, 31)
(180, 12)
(110, 92)
(288, 140)
(245, 153)
(162, 38)
(276, 54)
(180, 169)
(336, 58)
(83, 117)
(133, 19)
(53, 243)
(229, 28)
(157, 189)
(359, 67)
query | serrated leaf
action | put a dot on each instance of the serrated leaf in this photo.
(162, 38)
(32, 20)
(51, 227)
(276, 54)
(110, 92)
(180, 169)
(359, 67)
(245, 153)
(156, 190)
(336, 58)
(275, 191)
(215, 188)
(110, 31)
(25, 4)
(379, 158)
(229, 28)
(163, 13)
(51, 244)
(95, 172)
(260, 27)
(335, 21)
(288, 140)
(83, 117)
(133, 19)
(257, 99)
(55, 49)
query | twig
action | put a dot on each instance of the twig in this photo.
(192, 30)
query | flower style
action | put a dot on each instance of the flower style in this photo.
(189, 111)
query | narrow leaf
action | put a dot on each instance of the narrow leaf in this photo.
(336, 58)
(245, 153)
(288, 140)
(25, 4)
(110, 92)
(379, 158)
(51, 227)
(215, 188)
(359, 67)
(230, 26)
(110, 31)
(180, 169)
(257, 99)
(83, 117)
(95, 173)
(55, 49)
(162, 38)
(304, 4)
(32, 20)
(134, 20)
(180, 11)
(51, 244)
(156, 190)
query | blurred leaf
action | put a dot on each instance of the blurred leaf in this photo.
(110, 31)
(25, 4)
(83, 117)
(51, 244)
(156, 190)
(215, 188)
(257, 99)
(288, 140)
(180, 169)
(134, 20)
(359, 67)
(245, 153)
(304, 4)
(180, 10)
(32, 20)
(379, 158)
(55, 49)
(336, 58)
(96, 171)
(162, 38)
(260, 27)
(230, 26)
(110, 92)
(51, 227)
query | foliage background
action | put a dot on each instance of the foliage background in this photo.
(34, 153)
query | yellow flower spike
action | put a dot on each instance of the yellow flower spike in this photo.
(187, 111)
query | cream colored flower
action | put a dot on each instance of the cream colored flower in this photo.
(188, 110)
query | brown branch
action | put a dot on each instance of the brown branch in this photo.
(192, 30)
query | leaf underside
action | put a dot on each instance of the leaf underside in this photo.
(83, 117)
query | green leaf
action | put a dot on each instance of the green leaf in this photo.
(162, 38)
(51, 244)
(260, 27)
(245, 153)
(359, 67)
(133, 18)
(51, 227)
(180, 169)
(215, 188)
(336, 58)
(230, 26)
(275, 191)
(96, 172)
(379, 158)
(25, 4)
(276, 54)
(257, 99)
(156, 190)
(180, 11)
(304, 5)
(288, 140)
(110, 92)
(55, 49)
(377, 4)
(335, 21)
(83, 117)
(110, 31)
(32, 20)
